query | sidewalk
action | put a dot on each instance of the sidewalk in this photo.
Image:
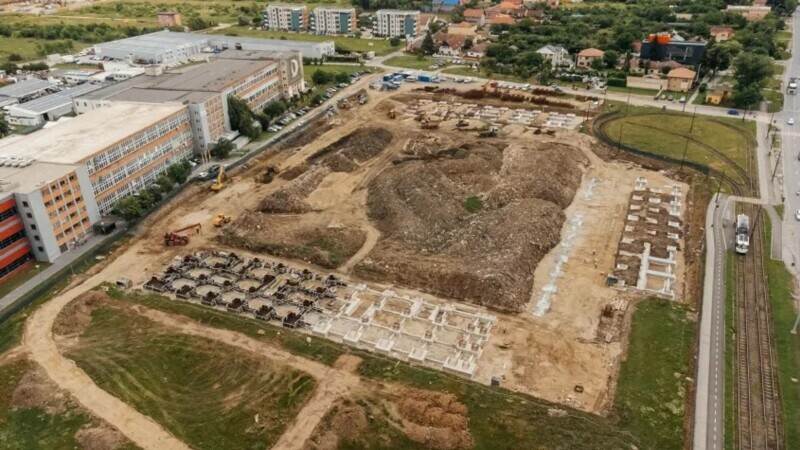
(65, 260)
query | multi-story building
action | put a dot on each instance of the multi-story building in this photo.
(666, 47)
(396, 23)
(15, 251)
(325, 20)
(120, 149)
(255, 77)
(285, 18)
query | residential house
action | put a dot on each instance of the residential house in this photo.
(680, 80)
(424, 23)
(587, 57)
(751, 13)
(285, 17)
(557, 56)
(722, 34)
(686, 17)
(475, 16)
(505, 7)
(450, 44)
(553, 4)
(648, 67)
(502, 19)
(719, 94)
(444, 5)
(477, 51)
(463, 29)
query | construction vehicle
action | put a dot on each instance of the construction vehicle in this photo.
(430, 124)
(180, 236)
(391, 114)
(269, 175)
(221, 220)
(218, 185)
(489, 132)
(462, 123)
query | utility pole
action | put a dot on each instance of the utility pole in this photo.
(619, 141)
(755, 222)
(719, 187)
(777, 161)
(694, 114)
(629, 99)
(683, 159)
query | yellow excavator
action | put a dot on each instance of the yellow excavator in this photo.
(218, 184)
(221, 220)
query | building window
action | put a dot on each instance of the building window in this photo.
(33, 226)
(25, 204)
(29, 215)
(40, 249)
(36, 238)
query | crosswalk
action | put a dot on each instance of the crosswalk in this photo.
(790, 133)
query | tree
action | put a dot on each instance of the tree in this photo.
(746, 96)
(129, 208)
(221, 149)
(320, 77)
(317, 99)
(752, 69)
(467, 44)
(277, 107)
(720, 55)
(394, 41)
(14, 57)
(610, 58)
(165, 182)
(242, 118)
(428, 47)
(5, 129)
(242, 21)
(179, 171)
(598, 64)
(342, 77)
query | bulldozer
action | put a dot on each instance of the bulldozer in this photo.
(221, 220)
(462, 123)
(269, 175)
(489, 132)
(218, 185)
(430, 124)
(177, 237)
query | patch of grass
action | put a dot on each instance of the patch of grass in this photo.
(19, 279)
(35, 428)
(206, 393)
(379, 46)
(778, 69)
(411, 62)
(779, 209)
(308, 69)
(662, 134)
(473, 204)
(309, 347)
(783, 36)
(787, 345)
(651, 394)
(774, 99)
(633, 90)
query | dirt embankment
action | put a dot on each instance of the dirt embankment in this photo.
(285, 224)
(471, 222)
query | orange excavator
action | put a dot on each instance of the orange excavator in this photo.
(181, 235)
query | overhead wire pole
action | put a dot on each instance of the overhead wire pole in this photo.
(683, 159)
(719, 187)
(777, 161)
(694, 114)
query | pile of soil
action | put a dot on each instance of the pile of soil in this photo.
(473, 222)
(100, 437)
(436, 420)
(36, 390)
(357, 147)
(347, 424)
(77, 315)
(287, 237)
(290, 199)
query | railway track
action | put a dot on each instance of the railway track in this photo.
(757, 400)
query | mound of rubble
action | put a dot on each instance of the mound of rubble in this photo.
(471, 222)
(357, 147)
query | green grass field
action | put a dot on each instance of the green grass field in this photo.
(37, 427)
(783, 36)
(775, 99)
(411, 62)
(206, 393)
(651, 394)
(787, 345)
(662, 134)
(379, 46)
(20, 278)
(632, 90)
(308, 69)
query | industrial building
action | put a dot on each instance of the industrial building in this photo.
(25, 90)
(172, 48)
(396, 22)
(121, 149)
(15, 251)
(672, 48)
(49, 107)
(325, 20)
(285, 17)
(255, 77)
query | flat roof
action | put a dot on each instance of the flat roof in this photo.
(32, 177)
(50, 102)
(219, 40)
(25, 87)
(215, 75)
(155, 42)
(73, 141)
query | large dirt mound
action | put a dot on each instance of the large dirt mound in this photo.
(357, 147)
(437, 420)
(471, 222)
(77, 315)
(290, 199)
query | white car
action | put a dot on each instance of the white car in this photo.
(797, 215)
(790, 121)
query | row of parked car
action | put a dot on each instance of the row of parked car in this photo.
(288, 118)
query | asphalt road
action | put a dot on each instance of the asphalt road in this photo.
(790, 139)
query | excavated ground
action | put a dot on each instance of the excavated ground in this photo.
(470, 220)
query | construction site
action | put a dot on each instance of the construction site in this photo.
(475, 237)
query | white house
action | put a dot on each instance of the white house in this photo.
(558, 56)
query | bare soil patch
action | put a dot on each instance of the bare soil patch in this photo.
(100, 437)
(76, 316)
(36, 390)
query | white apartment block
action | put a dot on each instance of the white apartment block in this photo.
(285, 17)
(333, 20)
(396, 22)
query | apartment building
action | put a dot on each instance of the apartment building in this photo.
(253, 76)
(15, 251)
(395, 22)
(120, 148)
(333, 20)
(285, 18)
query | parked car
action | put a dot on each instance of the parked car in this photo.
(733, 112)
(790, 121)
(683, 99)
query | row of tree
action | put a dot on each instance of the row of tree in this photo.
(134, 206)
